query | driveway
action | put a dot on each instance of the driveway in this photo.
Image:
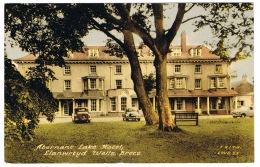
(43, 120)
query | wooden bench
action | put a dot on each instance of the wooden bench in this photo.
(186, 116)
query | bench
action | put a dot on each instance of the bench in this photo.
(186, 116)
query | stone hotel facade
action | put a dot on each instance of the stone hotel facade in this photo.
(198, 81)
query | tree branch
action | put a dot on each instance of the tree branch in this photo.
(176, 24)
(195, 17)
(158, 19)
(103, 29)
(133, 26)
(190, 8)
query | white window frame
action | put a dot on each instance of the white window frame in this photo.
(172, 83)
(213, 82)
(93, 70)
(197, 68)
(118, 69)
(67, 70)
(93, 52)
(177, 68)
(179, 83)
(67, 84)
(119, 86)
(179, 103)
(196, 52)
(221, 82)
(197, 83)
(66, 109)
(123, 103)
(240, 103)
(93, 104)
(92, 83)
(176, 51)
(113, 103)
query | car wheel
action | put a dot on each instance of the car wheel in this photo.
(126, 119)
(123, 119)
(243, 115)
(138, 119)
(234, 116)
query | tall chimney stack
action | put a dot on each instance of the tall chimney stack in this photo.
(183, 42)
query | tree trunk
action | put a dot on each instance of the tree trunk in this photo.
(165, 117)
(150, 115)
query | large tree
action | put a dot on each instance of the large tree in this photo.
(234, 21)
(56, 29)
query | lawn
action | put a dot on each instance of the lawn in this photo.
(213, 141)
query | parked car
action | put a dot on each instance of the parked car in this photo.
(81, 114)
(131, 114)
(243, 112)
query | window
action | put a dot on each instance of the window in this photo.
(118, 84)
(113, 104)
(197, 83)
(240, 103)
(93, 52)
(93, 83)
(67, 70)
(67, 85)
(177, 68)
(197, 68)
(118, 69)
(123, 103)
(213, 82)
(93, 105)
(179, 104)
(195, 52)
(176, 51)
(221, 82)
(172, 83)
(218, 68)
(179, 83)
(93, 70)
(66, 109)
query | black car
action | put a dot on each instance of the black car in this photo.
(81, 114)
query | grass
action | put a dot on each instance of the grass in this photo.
(213, 141)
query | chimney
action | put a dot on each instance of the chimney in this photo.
(183, 42)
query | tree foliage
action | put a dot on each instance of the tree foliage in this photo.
(149, 82)
(24, 101)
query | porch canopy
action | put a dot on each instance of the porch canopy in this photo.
(78, 95)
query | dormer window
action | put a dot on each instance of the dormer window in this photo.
(176, 51)
(195, 52)
(93, 52)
